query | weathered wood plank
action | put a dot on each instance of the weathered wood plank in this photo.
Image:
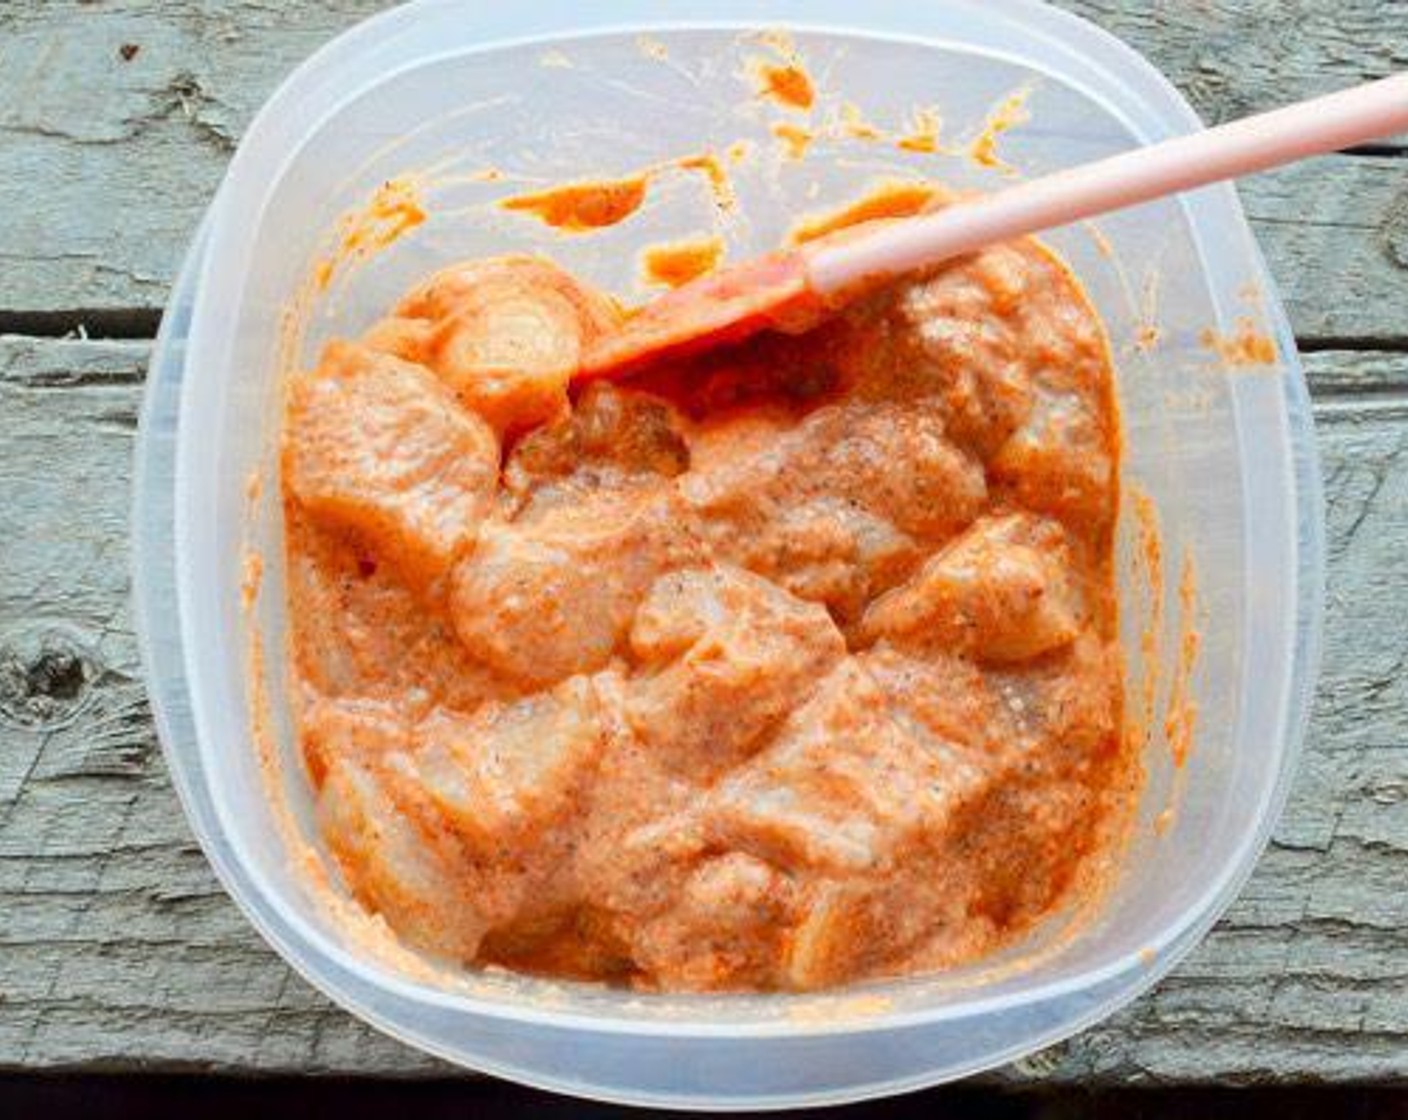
(1234, 57)
(118, 950)
(110, 161)
(1335, 235)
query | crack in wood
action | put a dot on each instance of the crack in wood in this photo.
(98, 323)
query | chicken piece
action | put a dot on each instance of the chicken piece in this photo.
(408, 339)
(506, 335)
(939, 697)
(725, 929)
(614, 436)
(1012, 302)
(891, 460)
(725, 656)
(1001, 592)
(642, 838)
(858, 806)
(1068, 703)
(827, 551)
(545, 597)
(376, 446)
(577, 943)
(838, 926)
(401, 862)
(862, 799)
(1024, 837)
(844, 788)
(508, 774)
(1062, 337)
(461, 287)
(351, 730)
(1058, 461)
(970, 362)
(832, 507)
(937, 343)
(860, 927)
(358, 631)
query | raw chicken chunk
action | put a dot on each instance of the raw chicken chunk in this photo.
(507, 774)
(726, 928)
(614, 437)
(357, 731)
(1000, 592)
(891, 460)
(363, 632)
(937, 343)
(943, 699)
(1069, 702)
(832, 507)
(828, 551)
(972, 362)
(844, 788)
(842, 924)
(543, 598)
(1059, 460)
(725, 656)
(400, 861)
(506, 334)
(376, 446)
(856, 802)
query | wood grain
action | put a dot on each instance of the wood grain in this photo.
(111, 154)
(1234, 57)
(119, 950)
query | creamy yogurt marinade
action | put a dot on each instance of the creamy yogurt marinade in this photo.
(782, 667)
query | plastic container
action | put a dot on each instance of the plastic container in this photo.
(1227, 458)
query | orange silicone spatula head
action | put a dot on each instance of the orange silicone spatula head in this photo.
(769, 293)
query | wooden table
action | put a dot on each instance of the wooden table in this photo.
(117, 948)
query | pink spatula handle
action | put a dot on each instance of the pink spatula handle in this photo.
(1282, 136)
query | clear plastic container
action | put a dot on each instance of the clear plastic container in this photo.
(1227, 458)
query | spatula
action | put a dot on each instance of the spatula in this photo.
(795, 289)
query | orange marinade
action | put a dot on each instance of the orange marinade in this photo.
(786, 667)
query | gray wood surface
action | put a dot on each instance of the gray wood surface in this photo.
(117, 948)
(106, 175)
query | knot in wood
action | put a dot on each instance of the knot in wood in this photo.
(45, 677)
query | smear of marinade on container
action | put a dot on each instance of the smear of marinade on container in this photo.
(786, 666)
(583, 207)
